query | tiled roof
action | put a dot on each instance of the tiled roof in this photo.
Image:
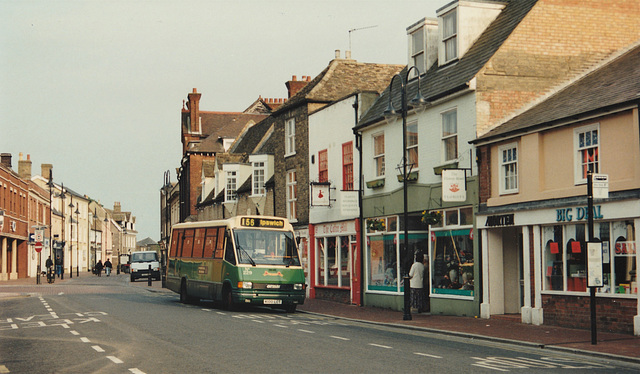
(341, 78)
(440, 81)
(614, 83)
(223, 125)
(252, 137)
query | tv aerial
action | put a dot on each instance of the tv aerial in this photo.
(358, 29)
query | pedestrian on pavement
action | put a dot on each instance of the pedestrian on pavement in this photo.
(107, 267)
(49, 263)
(58, 266)
(99, 268)
(416, 274)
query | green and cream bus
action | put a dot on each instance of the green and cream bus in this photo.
(237, 261)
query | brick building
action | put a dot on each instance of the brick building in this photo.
(14, 222)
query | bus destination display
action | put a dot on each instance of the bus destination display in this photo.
(262, 222)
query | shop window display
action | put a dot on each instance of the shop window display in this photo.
(385, 249)
(333, 261)
(452, 253)
(568, 272)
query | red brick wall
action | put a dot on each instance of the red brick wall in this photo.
(484, 172)
(613, 315)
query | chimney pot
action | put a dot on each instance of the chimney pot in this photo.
(347, 55)
(337, 53)
(294, 78)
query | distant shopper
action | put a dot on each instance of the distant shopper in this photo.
(58, 266)
(107, 267)
(49, 263)
(99, 268)
(416, 274)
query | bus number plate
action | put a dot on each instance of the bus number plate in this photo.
(272, 302)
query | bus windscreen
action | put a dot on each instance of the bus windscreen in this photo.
(266, 247)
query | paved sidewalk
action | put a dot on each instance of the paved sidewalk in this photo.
(619, 346)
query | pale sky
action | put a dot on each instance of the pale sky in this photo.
(96, 87)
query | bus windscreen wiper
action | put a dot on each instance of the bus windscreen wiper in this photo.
(247, 254)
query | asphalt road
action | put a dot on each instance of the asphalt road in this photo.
(108, 325)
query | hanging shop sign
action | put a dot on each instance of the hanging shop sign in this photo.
(454, 186)
(320, 194)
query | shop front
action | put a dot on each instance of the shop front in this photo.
(535, 263)
(335, 265)
(386, 260)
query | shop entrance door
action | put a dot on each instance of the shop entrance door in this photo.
(512, 270)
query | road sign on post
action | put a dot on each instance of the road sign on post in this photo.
(600, 186)
(38, 247)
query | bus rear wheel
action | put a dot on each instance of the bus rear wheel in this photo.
(184, 296)
(290, 308)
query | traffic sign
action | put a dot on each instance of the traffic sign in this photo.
(38, 247)
(600, 186)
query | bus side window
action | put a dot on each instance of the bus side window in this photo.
(220, 243)
(174, 243)
(210, 242)
(229, 254)
(187, 245)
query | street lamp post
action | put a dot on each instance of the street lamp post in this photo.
(77, 212)
(62, 197)
(71, 239)
(418, 100)
(95, 236)
(167, 224)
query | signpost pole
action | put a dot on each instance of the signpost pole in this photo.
(592, 289)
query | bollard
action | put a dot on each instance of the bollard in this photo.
(149, 279)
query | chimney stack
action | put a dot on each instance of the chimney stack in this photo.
(45, 169)
(5, 159)
(116, 207)
(294, 85)
(194, 110)
(337, 54)
(24, 167)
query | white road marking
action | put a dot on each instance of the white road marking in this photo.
(97, 348)
(339, 337)
(115, 360)
(257, 321)
(136, 371)
(74, 332)
(426, 355)
(307, 331)
(3, 369)
(85, 340)
(380, 346)
(283, 326)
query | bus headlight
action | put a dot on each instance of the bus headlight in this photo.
(245, 285)
(297, 286)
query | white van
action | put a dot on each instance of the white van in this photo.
(139, 265)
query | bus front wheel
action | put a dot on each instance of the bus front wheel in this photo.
(227, 299)
(290, 308)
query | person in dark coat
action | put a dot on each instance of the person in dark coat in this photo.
(99, 268)
(107, 267)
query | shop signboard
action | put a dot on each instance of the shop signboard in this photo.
(454, 185)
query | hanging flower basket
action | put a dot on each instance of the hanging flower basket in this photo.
(432, 217)
(376, 224)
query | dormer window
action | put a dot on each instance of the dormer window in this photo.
(417, 49)
(450, 35)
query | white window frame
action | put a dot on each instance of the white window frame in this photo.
(447, 137)
(412, 146)
(257, 178)
(450, 37)
(292, 196)
(379, 172)
(418, 53)
(509, 178)
(290, 137)
(231, 180)
(578, 176)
